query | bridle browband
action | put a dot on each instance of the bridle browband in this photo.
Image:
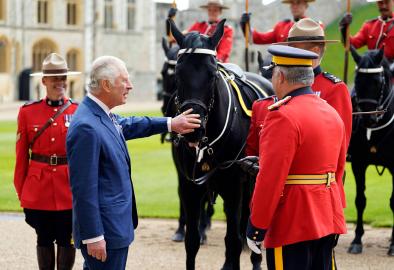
(197, 50)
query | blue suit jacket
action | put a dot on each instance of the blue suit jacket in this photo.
(100, 174)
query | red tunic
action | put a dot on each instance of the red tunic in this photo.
(304, 136)
(328, 87)
(278, 34)
(370, 33)
(225, 44)
(39, 185)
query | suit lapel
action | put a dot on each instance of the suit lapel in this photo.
(106, 121)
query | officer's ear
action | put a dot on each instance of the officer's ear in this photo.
(105, 85)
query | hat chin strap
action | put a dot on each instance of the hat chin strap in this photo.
(198, 50)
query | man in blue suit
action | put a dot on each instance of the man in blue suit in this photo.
(104, 207)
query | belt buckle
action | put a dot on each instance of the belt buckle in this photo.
(329, 176)
(53, 160)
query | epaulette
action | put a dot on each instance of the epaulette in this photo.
(273, 97)
(31, 102)
(331, 77)
(279, 103)
(286, 20)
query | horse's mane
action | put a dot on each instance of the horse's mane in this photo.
(194, 40)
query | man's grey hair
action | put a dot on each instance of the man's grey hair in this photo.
(105, 68)
(297, 75)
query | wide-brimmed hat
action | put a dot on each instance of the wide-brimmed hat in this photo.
(306, 30)
(54, 65)
(290, 1)
(374, 0)
(216, 3)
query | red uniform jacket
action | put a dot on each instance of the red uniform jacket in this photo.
(39, 185)
(225, 44)
(327, 86)
(370, 33)
(304, 136)
(278, 34)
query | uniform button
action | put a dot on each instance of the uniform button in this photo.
(53, 139)
(35, 129)
(55, 124)
(55, 110)
(254, 238)
(54, 169)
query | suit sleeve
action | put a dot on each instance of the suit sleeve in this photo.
(83, 152)
(276, 157)
(252, 140)
(225, 45)
(139, 127)
(360, 39)
(22, 154)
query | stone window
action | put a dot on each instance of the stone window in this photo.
(4, 55)
(72, 12)
(42, 11)
(130, 14)
(73, 60)
(40, 50)
(108, 14)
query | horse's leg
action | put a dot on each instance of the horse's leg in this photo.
(232, 208)
(391, 248)
(191, 196)
(359, 169)
(179, 235)
(204, 219)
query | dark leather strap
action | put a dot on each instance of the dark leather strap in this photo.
(49, 122)
(51, 160)
(385, 34)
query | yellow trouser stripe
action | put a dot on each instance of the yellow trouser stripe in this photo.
(333, 260)
(278, 258)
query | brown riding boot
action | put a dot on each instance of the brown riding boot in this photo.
(65, 258)
(46, 258)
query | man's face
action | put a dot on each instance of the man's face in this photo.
(56, 86)
(298, 8)
(313, 47)
(213, 13)
(121, 88)
(385, 8)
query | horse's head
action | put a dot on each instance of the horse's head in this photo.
(168, 71)
(196, 74)
(372, 84)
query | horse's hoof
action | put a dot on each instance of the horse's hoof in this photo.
(228, 266)
(179, 236)
(203, 239)
(355, 249)
(391, 250)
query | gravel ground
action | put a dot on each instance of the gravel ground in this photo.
(153, 249)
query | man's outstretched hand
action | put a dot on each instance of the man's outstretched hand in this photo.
(186, 122)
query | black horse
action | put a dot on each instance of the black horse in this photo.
(205, 158)
(373, 129)
(169, 87)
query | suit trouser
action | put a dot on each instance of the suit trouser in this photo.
(309, 255)
(116, 259)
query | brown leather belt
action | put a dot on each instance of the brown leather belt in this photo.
(310, 179)
(51, 160)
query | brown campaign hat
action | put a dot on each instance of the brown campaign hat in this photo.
(290, 1)
(54, 65)
(306, 30)
(216, 3)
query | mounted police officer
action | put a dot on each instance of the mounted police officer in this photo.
(214, 10)
(376, 33)
(298, 201)
(281, 29)
(41, 171)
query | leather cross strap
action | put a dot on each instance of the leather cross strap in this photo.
(310, 179)
(51, 160)
(49, 122)
(385, 34)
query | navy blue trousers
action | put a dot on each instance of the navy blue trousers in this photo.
(116, 259)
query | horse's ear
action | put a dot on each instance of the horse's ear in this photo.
(164, 44)
(179, 37)
(355, 55)
(260, 59)
(380, 55)
(217, 35)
